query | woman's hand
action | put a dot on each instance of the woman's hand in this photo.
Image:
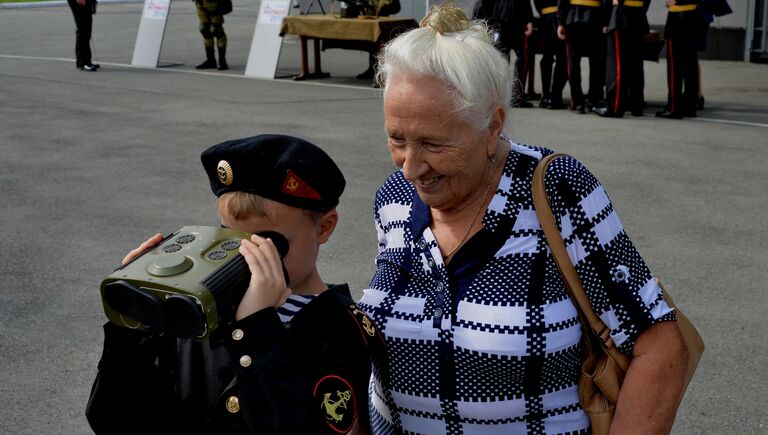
(154, 240)
(561, 32)
(267, 287)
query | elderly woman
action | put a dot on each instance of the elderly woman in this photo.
(482, 335)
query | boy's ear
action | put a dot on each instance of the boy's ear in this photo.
(326, 226)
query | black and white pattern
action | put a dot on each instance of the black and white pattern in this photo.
(490, 344)
(293, 305)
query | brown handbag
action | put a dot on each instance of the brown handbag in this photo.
(604, 366)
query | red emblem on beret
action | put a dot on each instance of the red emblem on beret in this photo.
(293, 185)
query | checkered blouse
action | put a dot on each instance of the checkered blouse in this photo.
(490, 344)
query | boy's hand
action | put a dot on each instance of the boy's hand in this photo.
(154, 240)
(267, 287)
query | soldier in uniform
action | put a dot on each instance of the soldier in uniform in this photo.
(83, 11)
(211, 17)
(295, 360)
(513, 19)
(625, 78)
(685, 25)
(552, 79)
(581, 25)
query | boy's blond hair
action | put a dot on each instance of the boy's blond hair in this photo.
(242, 205)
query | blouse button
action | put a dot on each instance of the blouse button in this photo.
(439, 287)
(431, 262)
(237, 334)
(245, 360)
(438, 313)
(422, 245)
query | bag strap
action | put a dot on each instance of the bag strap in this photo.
(563, 261)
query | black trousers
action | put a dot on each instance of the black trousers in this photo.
(682, 75)
(624, 76)
(585, 39)
(84, 22)
(553, 55)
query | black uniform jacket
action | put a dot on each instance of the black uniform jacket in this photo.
(266, 378)
(630, 18)
(688, 26)
(516, 13)
(597, 16)
(548, 21)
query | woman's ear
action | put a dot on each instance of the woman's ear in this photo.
(326, 225)
(495, 128)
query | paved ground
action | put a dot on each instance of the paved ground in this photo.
(92, 163)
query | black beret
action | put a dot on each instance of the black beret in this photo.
(282, 168)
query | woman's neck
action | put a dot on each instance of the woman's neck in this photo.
(452, 228)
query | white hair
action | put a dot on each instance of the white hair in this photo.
(461, 54)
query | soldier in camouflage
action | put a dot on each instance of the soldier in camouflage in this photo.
(211, 16)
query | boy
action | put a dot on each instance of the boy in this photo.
(296, 357)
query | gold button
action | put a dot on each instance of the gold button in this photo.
(245, 360)
(237, 334)
(233, 404)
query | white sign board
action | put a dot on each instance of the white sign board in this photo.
(149, 40)
(266, 43)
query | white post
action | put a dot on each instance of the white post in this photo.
(149, 40)
(267, 42)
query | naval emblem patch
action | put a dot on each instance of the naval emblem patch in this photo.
(337, 402)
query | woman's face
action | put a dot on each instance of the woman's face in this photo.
(445, 157)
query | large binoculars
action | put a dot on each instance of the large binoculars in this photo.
(188, 285)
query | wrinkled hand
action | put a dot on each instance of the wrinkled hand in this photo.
(154, 240)
(528, 29)
(267, 287)
(561, 32)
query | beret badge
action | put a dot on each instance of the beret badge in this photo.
(224, 170)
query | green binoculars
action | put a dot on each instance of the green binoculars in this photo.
(188, 285)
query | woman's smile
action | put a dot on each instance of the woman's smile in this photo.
(428, 184)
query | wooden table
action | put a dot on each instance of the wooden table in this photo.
(368, 34)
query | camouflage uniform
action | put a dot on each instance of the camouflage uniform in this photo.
(212, 27)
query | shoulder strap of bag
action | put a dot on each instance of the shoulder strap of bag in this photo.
(563, 261)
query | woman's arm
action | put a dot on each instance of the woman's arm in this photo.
(654, 383)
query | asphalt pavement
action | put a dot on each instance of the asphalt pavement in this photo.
(91, 164)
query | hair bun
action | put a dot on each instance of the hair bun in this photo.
(445, 19)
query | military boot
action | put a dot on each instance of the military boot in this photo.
(210, 59)
(223, 59)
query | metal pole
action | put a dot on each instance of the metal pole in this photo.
(93, 42)
(750, 31)
(764, 28)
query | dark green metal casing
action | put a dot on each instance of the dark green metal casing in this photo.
(194, 261)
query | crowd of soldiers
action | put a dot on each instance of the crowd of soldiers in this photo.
(612, 35)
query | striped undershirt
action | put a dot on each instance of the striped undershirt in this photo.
(292, 305)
